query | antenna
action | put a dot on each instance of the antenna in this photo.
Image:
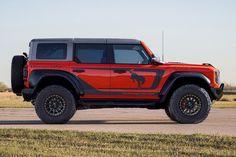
(162, 35)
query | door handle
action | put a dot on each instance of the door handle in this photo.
(79, 70)
(119, 71)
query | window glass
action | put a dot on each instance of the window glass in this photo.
(90, 53)
(51, 51)
(130, 54)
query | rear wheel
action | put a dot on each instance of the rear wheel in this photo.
(189, 104)
(55, 105)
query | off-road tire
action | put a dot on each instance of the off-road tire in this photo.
(168, 113)
(55, 105)
(17, 67)
(189, 104)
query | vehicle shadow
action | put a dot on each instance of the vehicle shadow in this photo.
(86, 122)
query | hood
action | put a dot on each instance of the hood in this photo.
(179, 65)
(187, 64)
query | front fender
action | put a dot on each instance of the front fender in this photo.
(181, 75)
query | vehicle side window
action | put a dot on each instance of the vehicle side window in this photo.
(130, 54)
(51, 51)
(91, 53)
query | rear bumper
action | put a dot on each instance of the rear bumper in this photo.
(27, 94)
(218, 92)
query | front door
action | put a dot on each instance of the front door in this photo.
(132, 75)
(91, 68)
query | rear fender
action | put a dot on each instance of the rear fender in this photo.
(38, 76)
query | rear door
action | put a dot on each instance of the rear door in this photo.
(92, 69)
(132, 74)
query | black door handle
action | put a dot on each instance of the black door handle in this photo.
(119, 71)
(79, 70)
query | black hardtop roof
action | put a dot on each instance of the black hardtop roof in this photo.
(90, 40)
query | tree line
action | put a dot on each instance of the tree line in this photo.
(4, 87)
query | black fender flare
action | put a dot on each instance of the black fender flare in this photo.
(36, 76)
(181, 75)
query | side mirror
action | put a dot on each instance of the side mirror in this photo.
(156, 61)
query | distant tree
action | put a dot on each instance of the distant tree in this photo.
(3, 87)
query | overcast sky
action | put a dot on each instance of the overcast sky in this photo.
(200, 31)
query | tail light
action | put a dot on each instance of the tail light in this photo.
(25, 72)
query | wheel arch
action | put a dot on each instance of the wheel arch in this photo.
(39, 79)
(179, 79)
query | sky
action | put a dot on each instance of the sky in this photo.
(200, 31)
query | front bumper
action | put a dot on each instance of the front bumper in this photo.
(218, 92)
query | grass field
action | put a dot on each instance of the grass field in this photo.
(21, 142)
(230, 91)
(10, 100)
(228, 103)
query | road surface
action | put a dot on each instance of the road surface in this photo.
(219, 121)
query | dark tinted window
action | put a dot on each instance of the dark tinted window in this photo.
(90, 53)
(130, 54)
(51, 51)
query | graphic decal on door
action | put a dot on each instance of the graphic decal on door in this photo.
(88, 89)
(137, 78)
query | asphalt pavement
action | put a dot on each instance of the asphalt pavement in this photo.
(130, 120)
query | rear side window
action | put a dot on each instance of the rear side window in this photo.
(91, 53)
(51, 51)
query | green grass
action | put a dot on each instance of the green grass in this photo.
(22, 142)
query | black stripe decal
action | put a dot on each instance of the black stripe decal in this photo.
(91, 90)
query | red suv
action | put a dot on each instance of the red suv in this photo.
(62, 75)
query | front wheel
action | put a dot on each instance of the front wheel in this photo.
(189, 104)
(168, 113)
(55, 105)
